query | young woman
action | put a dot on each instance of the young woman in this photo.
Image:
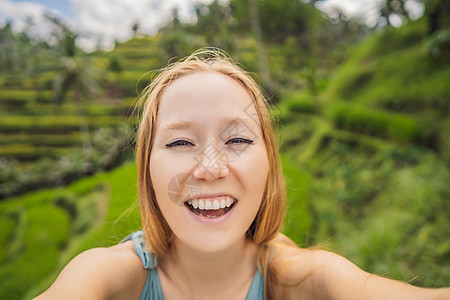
(212, 200)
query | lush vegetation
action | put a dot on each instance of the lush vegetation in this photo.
(372, 149)
(43, 230)
(363, 131)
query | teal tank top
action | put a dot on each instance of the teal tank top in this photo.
(153, 290)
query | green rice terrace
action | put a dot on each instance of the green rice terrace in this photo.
(363, 129)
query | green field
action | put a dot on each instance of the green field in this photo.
(43, 230)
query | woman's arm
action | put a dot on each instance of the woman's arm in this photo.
(337, 278)
(100, 273)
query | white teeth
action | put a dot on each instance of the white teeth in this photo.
(219, 203)
(216, 204)
(228, 202)
(208, 205)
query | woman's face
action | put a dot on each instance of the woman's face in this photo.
(208, 163)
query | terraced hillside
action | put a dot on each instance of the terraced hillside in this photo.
(373, 149)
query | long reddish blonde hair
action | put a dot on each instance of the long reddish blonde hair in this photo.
(270, 215)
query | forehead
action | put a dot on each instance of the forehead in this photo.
(205, 95)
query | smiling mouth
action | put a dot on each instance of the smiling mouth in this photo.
(211, 208)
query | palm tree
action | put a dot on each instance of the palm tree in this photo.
(75, 74)
(262, 55)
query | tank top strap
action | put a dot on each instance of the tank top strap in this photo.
(271, 253)
(152, 289)
(256, 291)
(149, 259)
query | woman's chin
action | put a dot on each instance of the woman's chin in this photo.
(211, 244)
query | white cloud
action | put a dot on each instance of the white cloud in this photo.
(20, 10)
(112, 20)
(368, 10)
(29, 17)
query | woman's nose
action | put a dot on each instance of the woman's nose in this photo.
(211, 164)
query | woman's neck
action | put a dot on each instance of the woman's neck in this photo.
(203, 274)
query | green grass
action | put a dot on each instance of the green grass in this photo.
(42, 231)
(297, 222)
(7, 224)
(398, 127)
(405, 217)
(393, 88)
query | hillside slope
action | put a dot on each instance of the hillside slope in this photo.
(374, 153)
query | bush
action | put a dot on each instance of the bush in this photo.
(30, 152)
(301, 102)
(64, 140)
(350, 81)
(144, 65)
(109, 150)
(437, 45)
(18, 98)
(444, 141)
(15, 82)
(44, 96)
(133, 53)
(395, 39)
(377, 123)
(133, 83)
(44, 80)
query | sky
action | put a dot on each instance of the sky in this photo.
(101, 22)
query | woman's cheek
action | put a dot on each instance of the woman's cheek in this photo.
(252, 167)
(167, 167)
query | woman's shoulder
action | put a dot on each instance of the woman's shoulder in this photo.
(313, 273)
(101, 273)
(292, 263)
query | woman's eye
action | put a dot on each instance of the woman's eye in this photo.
(239, 141)
(179, 143)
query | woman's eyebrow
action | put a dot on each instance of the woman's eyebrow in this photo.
(177, 125)
(187, 124)
(246, 121)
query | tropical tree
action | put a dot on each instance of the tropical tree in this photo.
(262, 55)
(135, 28)
(77, 75)
(438, 14)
